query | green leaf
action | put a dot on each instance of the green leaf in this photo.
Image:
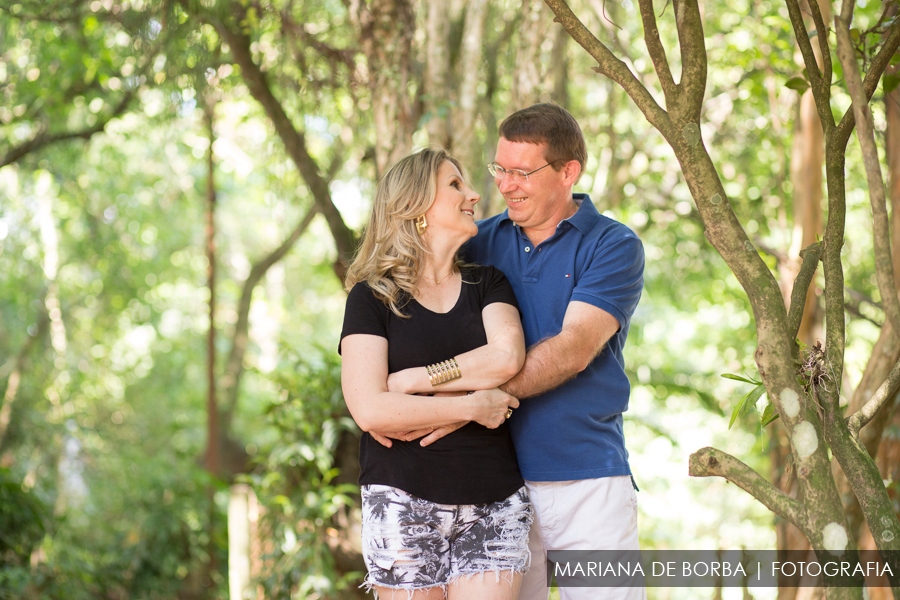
(739, 378)
(895, 59)
(746, 403)
(797, 83)
(769, 414)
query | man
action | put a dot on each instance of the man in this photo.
(577, 276)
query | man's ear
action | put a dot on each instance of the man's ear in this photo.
(572, 172)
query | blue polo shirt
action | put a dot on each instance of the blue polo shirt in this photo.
(574, 431)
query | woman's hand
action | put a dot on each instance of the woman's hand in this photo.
(490, 407)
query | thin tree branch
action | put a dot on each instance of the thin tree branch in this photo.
(870, 82)
(294, 141)
(865, 132)
(822, 36)
(885, 392)
(611, 66)
(693, 57)
(709, 462)
(234, 368)
(810, 256)
(853, 309)
(657, 52)
(43, 140)
(821, 89)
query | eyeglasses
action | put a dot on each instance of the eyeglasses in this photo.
(515, 174)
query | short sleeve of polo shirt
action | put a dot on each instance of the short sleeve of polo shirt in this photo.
(495, 287)
(613, 278)
(364, 313)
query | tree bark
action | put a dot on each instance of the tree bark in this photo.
(386, 29)
(807, 158)
(212, 407)
(465, 143)
(437, 74)
(527, 79)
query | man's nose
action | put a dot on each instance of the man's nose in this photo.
(506, 184)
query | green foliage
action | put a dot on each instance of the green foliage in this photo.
(23, 520)
(304, 494)
(749, 400)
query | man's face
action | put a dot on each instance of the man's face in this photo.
(543, 200)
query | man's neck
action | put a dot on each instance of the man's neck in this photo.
(538, 235)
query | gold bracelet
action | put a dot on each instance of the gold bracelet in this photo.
(444, 371)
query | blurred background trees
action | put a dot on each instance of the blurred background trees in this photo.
(120, 122)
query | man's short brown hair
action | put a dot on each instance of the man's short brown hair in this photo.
(548, 124)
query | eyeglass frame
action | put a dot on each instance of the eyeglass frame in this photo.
(516, 172)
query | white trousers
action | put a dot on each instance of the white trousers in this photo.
(587, 514)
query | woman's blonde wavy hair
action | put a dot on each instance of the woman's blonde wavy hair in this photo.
(392, 252)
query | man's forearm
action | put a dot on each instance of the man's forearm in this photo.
(548, 365)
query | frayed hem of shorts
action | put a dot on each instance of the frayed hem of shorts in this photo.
(370, 588)
(504, 574)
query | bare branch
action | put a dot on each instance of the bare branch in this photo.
(293, 139)
(611, 66)
(43, 140)
(693, 57)
(822, 36)
(657, 52)
(853, 308)
(865, 132)
(810, 256)
(885, 392)
(234, 368)
(821, 89)
(709, 462)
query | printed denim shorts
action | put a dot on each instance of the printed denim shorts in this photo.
(410, 543)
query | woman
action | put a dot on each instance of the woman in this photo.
(419, 322)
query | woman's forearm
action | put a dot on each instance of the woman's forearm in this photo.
(481, 369)
(391, 411)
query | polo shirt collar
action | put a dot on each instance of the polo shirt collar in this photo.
(584, 218)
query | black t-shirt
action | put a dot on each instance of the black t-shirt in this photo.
(473, 465)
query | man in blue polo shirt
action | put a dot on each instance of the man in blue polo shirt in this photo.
(578, 276)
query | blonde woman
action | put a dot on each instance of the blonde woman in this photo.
(425, 342)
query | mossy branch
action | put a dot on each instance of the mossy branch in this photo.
(693, 57)
(810, 256)
(657, 52)
(709, 462)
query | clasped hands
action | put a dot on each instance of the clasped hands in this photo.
(492, 409)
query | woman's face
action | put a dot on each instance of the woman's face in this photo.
(453, 213)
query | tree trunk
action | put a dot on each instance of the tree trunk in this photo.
(807, 158)
(386, 29)
(465, 143)
(437, 71)
(526, 87)
(212, 408)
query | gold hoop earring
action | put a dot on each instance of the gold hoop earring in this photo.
(421, 224)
